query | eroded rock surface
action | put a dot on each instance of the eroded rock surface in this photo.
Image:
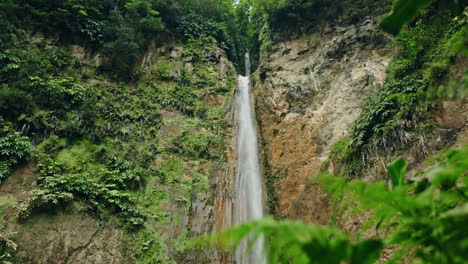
(309, 91)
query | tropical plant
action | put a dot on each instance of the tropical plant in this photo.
(7, 247)
(425, 214)
(403, 12)
(296, 242)
(57, 187)
(14, 149)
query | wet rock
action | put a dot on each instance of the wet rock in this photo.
(78, 52)
(212, 56)
(223, 67)
(176, 53)
(189, 67)
(452, 115)
(264, 70)
(38, 38)
(104, 247)
(297, 90)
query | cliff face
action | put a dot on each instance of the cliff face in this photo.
(159, 150)
(309, 91)
(190, 193)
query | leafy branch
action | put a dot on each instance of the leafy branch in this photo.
(426, 213)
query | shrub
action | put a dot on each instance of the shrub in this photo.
(14, 102)
(123, 46)
(163, 71)
(296, 242)
(193, 26)
(424, 215)
(14, 149)
(59, 189)
(7, 247)
(62, 93)
(70, 174)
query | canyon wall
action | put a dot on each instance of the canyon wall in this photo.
(311, 88)
(197, 202)
(309, 91)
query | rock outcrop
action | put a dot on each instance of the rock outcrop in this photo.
(309, 91)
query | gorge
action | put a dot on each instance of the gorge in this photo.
(140, 131)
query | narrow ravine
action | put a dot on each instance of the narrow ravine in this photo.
(249, 198)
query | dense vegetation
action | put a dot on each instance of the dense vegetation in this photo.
(122, 30)
(95, 129)
(97, 132)
(425, 216)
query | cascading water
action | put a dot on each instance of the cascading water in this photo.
(249, 199)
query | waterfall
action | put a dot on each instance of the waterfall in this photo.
(249, 199)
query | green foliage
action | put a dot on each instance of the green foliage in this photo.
(149, 247)
(425, 214)
(182, 98)
(453, 90)
(63, 17)
(7, 247)
(403, 12)
(288, 12)
(272, 178)
(194, 26)
(425, 53)
(163, 71)
(99, 140)
(122, 30)
(123, 46)
(60, 189)
(296, 242)
(197, 46)
(68, 174)
(106, 144)
(36, 78)
(397, 170)
(61, 93)
(197, 143)
(14, 149)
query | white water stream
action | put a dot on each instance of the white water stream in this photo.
(249, 199)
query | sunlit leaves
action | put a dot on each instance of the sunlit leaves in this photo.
(296, 242)
(426, 218)
(426, 213)
(397, 170)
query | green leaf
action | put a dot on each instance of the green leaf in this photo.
(402, 13)
(457, 212)
(366, 252)
(397, 170)
(83, 12)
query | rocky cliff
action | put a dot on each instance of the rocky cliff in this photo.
(311, 89)
(187, 196)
